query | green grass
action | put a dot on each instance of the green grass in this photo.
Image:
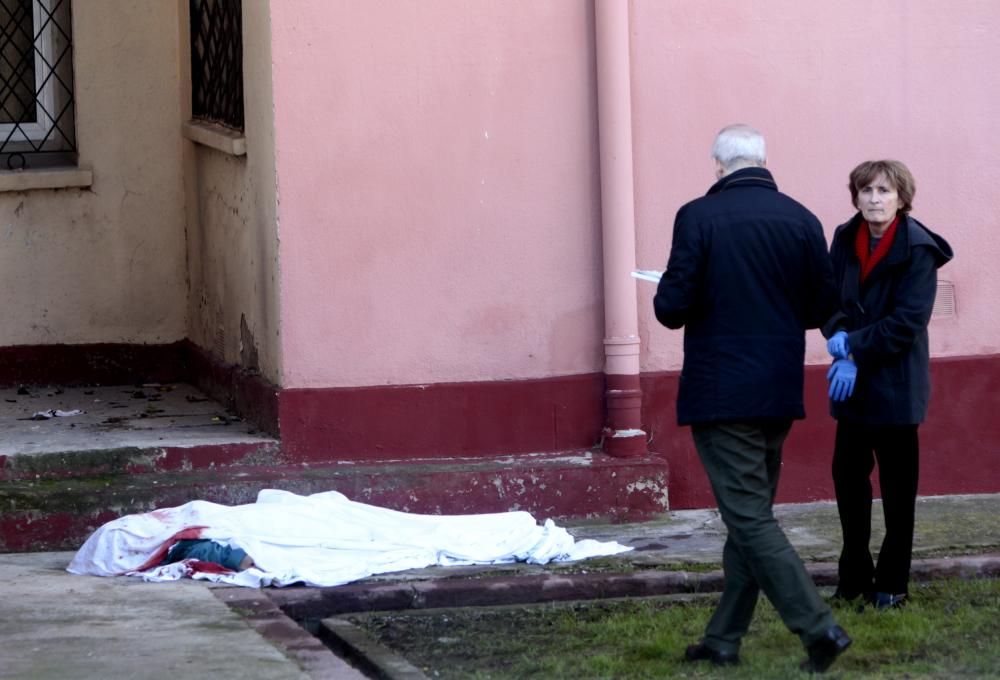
(950, 629)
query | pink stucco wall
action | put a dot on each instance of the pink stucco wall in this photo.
(830, 85)
(438, 181)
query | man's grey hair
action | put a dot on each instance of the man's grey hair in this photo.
(739, 146)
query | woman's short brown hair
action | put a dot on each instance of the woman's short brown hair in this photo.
(898, 175)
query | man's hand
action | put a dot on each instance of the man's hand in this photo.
(837, 345)
(842, 376)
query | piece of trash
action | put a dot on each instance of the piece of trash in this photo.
(11, 401)
(138, 394)
(23, 390)
(88, 391)
(193, 399)
(55, 413)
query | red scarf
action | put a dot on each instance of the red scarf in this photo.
(868, 257)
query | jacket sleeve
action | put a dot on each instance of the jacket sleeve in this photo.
(680, 285)
(823, 299)
(838, 320)
(913, 303)
(835, 323)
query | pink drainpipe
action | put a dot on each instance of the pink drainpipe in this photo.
(623, 434)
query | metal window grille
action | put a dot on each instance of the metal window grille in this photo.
(36, 83)
(217, 61)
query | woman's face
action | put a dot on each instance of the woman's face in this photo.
(878, 202)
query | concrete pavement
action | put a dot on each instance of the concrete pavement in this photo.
(57, 625)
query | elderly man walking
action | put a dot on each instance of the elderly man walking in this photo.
(748, 273)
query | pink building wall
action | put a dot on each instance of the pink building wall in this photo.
(830, 85)
(439, 208)
(438, 189)
(407, 265)
(437, 169)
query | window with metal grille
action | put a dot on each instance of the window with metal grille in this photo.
(36, 84)
(217, 62)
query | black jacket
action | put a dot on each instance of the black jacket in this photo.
(886, 322)
(748, 272)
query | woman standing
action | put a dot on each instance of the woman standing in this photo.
(885, 264)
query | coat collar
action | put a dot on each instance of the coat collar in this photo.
(899, 252)
(900, 246)
(745, 177)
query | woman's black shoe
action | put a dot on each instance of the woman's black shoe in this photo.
(884, 601)
(824, 651)
(702, 652)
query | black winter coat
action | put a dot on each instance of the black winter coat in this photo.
(748, 272)
(886, 322)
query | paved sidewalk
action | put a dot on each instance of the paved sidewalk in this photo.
(57, 625)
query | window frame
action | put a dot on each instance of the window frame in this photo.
(52, 93)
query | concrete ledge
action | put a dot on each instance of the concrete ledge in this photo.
(217, 137)
(377, 660)
(45, 178)
(321, 603)
(293, 640)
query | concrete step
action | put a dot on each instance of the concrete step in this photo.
(131, 449)
(58, 512)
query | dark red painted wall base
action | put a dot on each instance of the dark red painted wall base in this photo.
(443, 419)
(247, 392)
(960, 442)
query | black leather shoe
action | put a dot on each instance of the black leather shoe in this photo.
(824, 651)
(702, 652)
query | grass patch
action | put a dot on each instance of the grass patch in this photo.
(950, 629)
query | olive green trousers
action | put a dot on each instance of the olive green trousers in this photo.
(743, 462)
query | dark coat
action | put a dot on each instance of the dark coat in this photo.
(886, 322)
(748, 272)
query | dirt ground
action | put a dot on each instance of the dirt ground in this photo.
(481, 642)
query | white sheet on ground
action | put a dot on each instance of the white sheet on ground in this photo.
(322, 540)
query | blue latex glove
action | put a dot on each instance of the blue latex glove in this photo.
(842, 376)
(837, 345)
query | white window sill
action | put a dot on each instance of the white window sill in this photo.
(216, 136)
(45, 178)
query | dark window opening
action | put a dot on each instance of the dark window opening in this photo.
(217, 62)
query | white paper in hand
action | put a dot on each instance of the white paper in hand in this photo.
(647, 275)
